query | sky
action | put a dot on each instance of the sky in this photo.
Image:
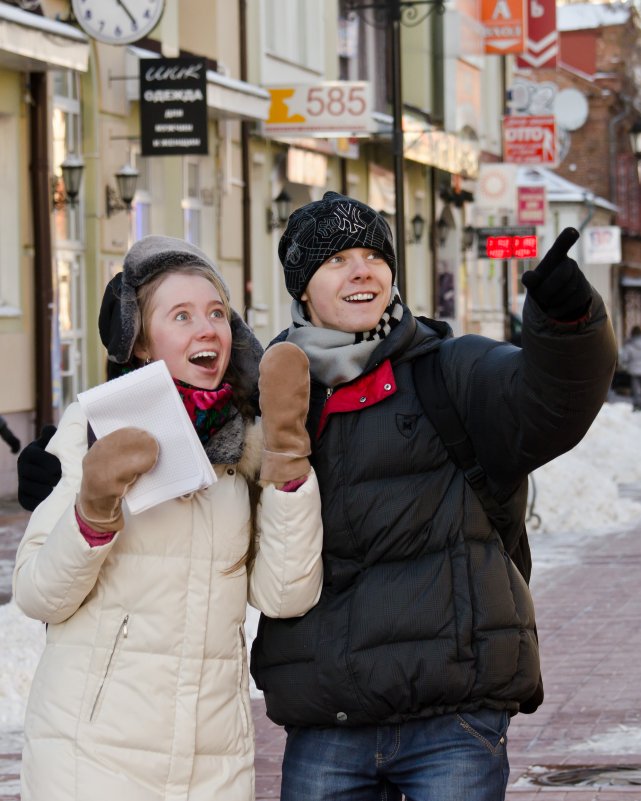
(587, 484)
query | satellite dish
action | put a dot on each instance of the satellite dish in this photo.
(570, 109)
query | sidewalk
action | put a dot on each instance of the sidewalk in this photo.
(588, 604)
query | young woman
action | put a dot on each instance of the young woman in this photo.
(142, 690)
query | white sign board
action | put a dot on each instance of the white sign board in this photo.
(602, 244)
(332, 108)
(496, 191)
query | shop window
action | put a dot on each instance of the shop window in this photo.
(294, 31)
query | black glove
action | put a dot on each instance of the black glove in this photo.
(8, 436)
(557, 284)
(38, 471)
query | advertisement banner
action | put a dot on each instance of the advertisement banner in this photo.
(173, 106)
(332, 108)
(542, 43)
(602, 244)
(530, 140)
(505, 23)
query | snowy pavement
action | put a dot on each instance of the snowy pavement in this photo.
(587, 564)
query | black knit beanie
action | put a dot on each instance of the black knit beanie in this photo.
(317, 231)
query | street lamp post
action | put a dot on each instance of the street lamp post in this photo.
(391, 14)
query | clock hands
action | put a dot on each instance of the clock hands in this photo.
(127, 11)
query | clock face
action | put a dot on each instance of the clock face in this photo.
(117, 21)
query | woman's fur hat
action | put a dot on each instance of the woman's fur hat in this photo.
(119, 319)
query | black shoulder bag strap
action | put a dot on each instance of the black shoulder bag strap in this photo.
(439, 408)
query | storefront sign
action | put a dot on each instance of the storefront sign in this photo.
(602, 244)
(505, 25)
(530, 205)
(542, 44)
(328, 109)
(529, 140)
(440, 149)
(173, 106)
(506, 242)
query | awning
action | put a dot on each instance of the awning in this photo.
(31, 43)
(226, 97)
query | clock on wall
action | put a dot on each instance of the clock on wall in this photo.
(117, 21)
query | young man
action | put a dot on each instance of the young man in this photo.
(404, 676)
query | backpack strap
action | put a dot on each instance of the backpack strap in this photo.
(439, 409)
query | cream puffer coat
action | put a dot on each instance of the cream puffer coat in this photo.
(142, 691)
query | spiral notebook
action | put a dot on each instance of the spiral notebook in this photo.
(147, 398)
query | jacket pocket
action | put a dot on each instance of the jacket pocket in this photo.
(121, 635)
(242, 681)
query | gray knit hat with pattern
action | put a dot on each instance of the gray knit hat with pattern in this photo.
(322, 228)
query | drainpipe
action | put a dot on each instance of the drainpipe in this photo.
(613, 151)
(245, 170)
(43, 259)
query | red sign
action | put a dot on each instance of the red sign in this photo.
(529, 140)
(524, 247)
(509, 247)
(505, 25)
(542, 44)
(531, 205)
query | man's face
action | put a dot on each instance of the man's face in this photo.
(350, 291)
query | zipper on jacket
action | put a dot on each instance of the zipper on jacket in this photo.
(123, 631)
(328, 393)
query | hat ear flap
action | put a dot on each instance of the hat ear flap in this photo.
(118, 320)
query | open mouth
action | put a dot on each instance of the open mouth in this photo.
(360, 297)
(204, 358)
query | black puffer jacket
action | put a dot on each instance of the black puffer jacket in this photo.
(423, 611)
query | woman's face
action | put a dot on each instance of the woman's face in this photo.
(189, 329)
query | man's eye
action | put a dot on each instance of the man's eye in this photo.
(375, 254)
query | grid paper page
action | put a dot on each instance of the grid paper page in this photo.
(147, 398)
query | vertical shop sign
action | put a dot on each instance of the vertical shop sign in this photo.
(173, 106)
(505, 24)
(542, 43)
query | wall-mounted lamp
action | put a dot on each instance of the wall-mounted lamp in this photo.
(418, 227)
(283, 204)
(467, 237)
(121, 199)
(440, 231)
(66, 187)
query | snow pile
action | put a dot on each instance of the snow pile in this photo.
(579, 491)
(24, 641)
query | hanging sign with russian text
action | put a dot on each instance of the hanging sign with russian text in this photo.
(173, 106)
(505, 23)
(530, 140)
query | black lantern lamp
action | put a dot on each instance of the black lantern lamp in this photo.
(122, 198)
(418, 227)
(467, 239)
(66, 188)
(283, 204)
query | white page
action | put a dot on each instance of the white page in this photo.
(147, 398)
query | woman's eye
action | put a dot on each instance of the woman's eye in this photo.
(218, 314)
(181, 316)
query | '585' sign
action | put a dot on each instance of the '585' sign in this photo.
(333, 107)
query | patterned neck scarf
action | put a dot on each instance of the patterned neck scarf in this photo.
(208, 410)
(337, 357)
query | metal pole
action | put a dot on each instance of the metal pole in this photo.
(397, 102)
(39, 122)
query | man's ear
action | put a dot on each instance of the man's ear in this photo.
(304, 298)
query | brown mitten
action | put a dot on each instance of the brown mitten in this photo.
(284, 404)
(109, 469)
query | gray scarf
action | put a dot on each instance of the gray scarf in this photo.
(336, 357)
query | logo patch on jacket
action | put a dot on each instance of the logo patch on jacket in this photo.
(406, 424)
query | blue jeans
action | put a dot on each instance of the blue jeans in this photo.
(459, 757)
